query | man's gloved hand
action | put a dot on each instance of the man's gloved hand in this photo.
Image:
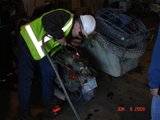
(154, 91)
(62, 41)
(75, 42)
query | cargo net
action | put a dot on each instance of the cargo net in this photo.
(125, 36)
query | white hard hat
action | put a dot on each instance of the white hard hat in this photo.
(88, 24)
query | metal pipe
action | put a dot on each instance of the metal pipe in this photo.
(62, 85)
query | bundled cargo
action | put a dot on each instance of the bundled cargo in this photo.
(118, 43)
(119, 28)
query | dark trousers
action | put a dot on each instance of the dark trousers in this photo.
(26, 67)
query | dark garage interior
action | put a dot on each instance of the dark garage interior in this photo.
(118, 56)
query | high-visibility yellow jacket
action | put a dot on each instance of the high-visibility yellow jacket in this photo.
(34, 34)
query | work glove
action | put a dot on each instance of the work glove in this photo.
(62, 41)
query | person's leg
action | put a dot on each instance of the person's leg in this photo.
(155, 108)
(48, 77)
(25, 75)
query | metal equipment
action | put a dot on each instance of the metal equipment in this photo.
(77, 75)
(81, 79)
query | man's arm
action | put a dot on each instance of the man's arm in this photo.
(54, 22)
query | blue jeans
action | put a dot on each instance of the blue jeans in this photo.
(26, 68)
(155, 108)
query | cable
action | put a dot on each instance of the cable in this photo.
(62, 85)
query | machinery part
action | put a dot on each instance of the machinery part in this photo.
(64, 89)
(77, 75)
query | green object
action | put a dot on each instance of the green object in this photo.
(34, 34)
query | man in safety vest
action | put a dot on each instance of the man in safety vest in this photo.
(52, 29)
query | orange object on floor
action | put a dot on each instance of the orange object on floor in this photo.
(56, 109)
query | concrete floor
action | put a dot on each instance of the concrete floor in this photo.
(124, 98)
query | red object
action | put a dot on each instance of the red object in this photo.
(56, 109)
(72, 75)
(76, 55)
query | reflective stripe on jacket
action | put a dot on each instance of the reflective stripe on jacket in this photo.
(34, 35)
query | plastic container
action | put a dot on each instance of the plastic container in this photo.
(88, 89)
